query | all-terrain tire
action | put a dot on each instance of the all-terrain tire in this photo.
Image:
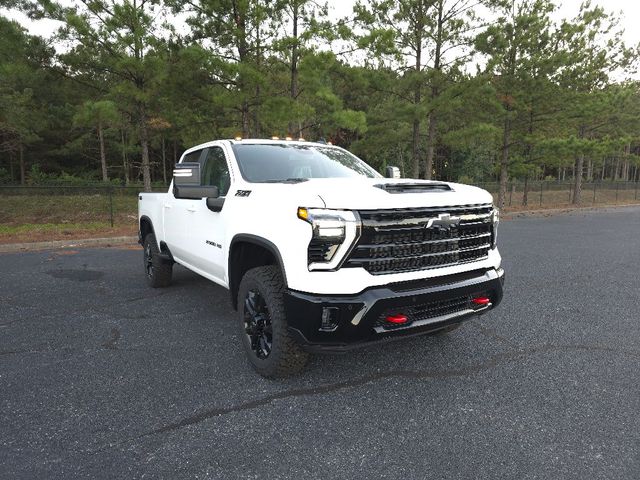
(285, 357)
(158, 272)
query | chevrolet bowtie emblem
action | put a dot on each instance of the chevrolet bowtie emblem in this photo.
(444, 221)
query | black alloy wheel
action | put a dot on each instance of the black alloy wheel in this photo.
(158, 273)
(262, 324)
(257, 324)
(148, 260)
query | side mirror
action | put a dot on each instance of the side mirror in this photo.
(392, 172)
(187, 173)
(186, 182)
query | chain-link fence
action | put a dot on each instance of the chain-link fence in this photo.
(551, 194)
(39, 213)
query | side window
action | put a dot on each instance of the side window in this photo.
(192, 157)
(215, 170)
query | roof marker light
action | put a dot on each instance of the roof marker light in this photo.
(275, 138)
(288, 138)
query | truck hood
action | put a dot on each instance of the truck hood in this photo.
(383, 193)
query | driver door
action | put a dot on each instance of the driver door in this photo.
(207, 222)
(178, 216)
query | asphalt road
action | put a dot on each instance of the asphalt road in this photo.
(103, 377)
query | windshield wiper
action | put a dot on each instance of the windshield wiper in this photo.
(287, 180)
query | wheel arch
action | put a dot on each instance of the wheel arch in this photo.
(145, 227)
(246, 252)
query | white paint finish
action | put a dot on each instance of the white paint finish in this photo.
(270, 212)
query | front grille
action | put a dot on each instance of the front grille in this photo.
(394, 241)
(426, 311)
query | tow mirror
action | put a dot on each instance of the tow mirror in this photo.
(187, 183)
(392, 172)
(187, 173)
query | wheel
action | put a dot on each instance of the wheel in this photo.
(158, 272)
(265, 338)
(445, 330)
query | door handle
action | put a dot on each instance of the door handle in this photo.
(191, 209)
(167, 206)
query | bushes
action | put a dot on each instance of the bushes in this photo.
(39, 178)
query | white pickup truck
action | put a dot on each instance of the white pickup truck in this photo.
(319, 251)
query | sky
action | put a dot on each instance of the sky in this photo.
(628, 9)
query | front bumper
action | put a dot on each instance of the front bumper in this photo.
(353, 321)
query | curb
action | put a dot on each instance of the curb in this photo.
(55, 244)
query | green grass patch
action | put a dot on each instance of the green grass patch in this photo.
(52, 227)
(61, 209)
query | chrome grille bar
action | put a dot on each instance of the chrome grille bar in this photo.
(404, 240)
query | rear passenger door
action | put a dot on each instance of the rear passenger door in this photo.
(207, 227)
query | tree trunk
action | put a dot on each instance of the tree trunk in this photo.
(293, 86)
(11, 158)
(417, 94)
(604, 167)
(175, 151)
(577, 186)
(144, 144)
(244, 115)
(525, 192)
(164, 162)
(431, 138)
(103, 155)
(504, 162)
(243, 55)
(435, 92)
(23, 173)
(625, 170)
(415, 150)
(125, 163)
(590, 170)
(256, 110)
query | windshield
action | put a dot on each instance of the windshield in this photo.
(279, 162)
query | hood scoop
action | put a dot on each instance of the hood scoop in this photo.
(413, 187)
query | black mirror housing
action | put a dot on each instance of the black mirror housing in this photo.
(392, 172)
(186, 182)
(187, 173)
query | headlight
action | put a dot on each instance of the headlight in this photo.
(495, 218)
(333, 234)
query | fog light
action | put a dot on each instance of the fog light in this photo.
(397, 319)
(329, 320)
(482, 301)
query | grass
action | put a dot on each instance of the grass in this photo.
(41, 232)
(53, 209)
(40, 215)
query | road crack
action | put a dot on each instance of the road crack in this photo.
(404, 374)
